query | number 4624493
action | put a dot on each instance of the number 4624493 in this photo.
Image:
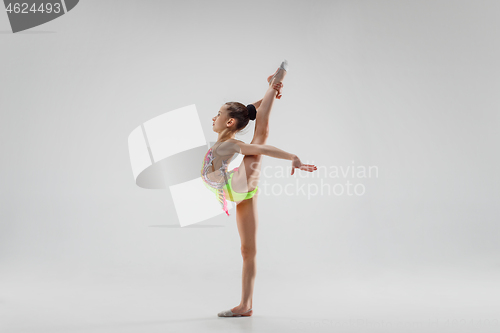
(42, 8)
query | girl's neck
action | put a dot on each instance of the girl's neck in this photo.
(224, 137)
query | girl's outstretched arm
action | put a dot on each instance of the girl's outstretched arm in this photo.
(257, 149)
(268, 150)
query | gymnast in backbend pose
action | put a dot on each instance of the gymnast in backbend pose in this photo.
(240, 184)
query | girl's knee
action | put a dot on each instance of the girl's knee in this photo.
(248, 252)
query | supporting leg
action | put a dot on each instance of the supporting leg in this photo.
(247, 221)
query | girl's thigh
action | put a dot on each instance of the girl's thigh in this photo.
(247, 221)
(247, 177)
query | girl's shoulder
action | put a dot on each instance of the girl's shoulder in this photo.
(228, 147)
(234, 141)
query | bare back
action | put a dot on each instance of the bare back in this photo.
(222, 155)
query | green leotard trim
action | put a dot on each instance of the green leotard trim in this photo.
(231, 194)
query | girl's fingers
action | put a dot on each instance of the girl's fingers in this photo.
(308, 167)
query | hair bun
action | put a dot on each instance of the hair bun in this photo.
(252, 111)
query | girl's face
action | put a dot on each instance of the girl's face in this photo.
(220, 120)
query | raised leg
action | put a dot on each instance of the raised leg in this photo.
(261, 131)
(247, 176)
(250, 166)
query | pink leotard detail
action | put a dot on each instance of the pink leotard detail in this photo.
(216, 185)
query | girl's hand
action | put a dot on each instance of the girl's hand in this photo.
(296, 163)
(278, 87)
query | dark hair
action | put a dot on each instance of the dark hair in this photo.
(243, 114)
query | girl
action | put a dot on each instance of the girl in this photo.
(240, 184)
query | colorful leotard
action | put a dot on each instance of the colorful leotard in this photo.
(222, 189)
